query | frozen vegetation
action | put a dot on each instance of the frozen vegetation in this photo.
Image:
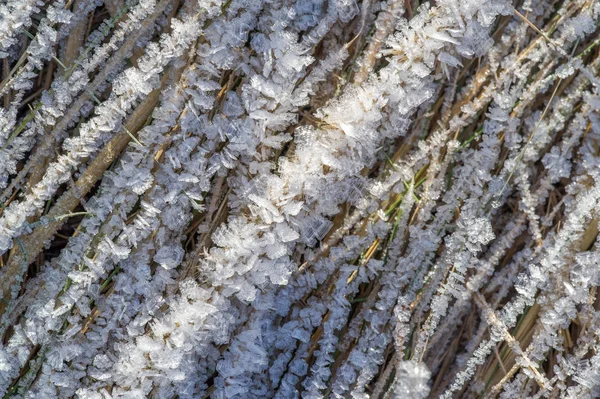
(299, 199)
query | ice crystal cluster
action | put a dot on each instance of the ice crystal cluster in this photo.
(299, 199)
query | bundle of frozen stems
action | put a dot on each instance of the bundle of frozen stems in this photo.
(299, 199)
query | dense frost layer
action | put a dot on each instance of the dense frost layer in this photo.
(311, 198)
